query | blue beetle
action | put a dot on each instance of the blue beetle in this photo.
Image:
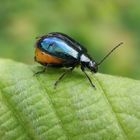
(60, 50)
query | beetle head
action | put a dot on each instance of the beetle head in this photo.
(92, 65)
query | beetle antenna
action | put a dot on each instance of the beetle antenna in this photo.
(110, 52)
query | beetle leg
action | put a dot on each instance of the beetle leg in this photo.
(58, 80)
(82, 68)
(42, 71)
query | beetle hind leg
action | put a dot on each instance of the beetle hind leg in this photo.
(42, 71)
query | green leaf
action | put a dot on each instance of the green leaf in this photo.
(31, 109)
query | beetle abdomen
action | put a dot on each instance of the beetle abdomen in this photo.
(45, 58)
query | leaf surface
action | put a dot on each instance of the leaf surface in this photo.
(31, 109)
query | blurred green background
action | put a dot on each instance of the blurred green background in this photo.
(99, 25)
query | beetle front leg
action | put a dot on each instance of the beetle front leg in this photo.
(83, 69)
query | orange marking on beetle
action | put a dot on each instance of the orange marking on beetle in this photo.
(45, 58)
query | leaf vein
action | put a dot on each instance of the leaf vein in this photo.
(112, 109)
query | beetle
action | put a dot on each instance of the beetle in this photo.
(60, 50)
